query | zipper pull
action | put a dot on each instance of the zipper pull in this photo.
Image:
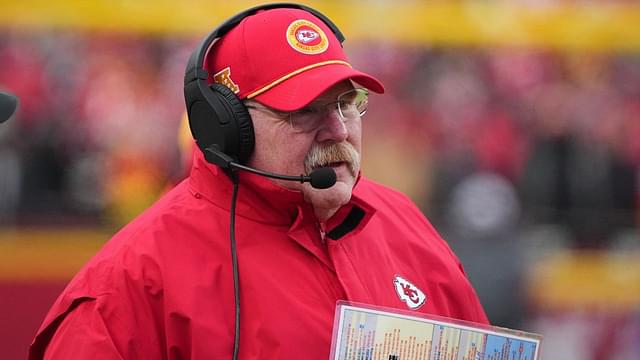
(323, 232)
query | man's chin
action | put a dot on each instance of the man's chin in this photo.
(331, 198)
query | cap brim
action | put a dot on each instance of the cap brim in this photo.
(301, 89)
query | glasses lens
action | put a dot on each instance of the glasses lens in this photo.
(305, 119)
(353, 103)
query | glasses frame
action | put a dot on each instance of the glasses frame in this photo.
(315, 113)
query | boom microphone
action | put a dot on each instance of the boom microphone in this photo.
(322, 178)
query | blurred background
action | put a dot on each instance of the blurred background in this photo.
(514, 125)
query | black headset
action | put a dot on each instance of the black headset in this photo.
(222, 127)
(217, 116)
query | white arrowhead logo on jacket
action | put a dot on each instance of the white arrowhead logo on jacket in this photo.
(409, 293)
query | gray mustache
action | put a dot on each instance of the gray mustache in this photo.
(324, 154)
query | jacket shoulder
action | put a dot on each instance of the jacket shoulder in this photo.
(395, 207)
(383, 197)
(132, 266)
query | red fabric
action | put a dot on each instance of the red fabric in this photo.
(163, 286)
(288, 48)
(23, 304)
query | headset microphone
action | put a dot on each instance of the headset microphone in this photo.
(322, 178)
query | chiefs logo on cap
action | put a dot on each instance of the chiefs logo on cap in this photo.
(306, 37)
(409, 293)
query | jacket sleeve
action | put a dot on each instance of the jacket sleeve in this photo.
(82, 334)
(113, 325)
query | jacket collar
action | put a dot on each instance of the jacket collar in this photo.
(258, 198)
(261, 200)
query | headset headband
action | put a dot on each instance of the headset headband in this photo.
(195, 67)
(218, 119)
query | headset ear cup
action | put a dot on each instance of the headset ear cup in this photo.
(244, 138)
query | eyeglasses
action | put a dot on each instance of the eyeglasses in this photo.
(350, 104)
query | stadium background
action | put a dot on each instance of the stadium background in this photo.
(514, 125)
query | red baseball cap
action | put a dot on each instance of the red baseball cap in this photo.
(283, 58)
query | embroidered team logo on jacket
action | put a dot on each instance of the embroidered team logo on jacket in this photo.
(409, 293)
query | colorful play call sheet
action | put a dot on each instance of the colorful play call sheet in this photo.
(365, 332)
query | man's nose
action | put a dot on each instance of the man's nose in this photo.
(333, 127)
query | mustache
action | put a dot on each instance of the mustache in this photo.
(323, 154)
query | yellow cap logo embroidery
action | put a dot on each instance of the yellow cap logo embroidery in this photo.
(306, 37)
(224, 77)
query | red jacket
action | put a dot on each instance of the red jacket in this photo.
(162, 288)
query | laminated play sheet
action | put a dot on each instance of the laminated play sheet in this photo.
(371, 332)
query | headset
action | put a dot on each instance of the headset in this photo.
(218, 119)
(8, 105)
(222, 128)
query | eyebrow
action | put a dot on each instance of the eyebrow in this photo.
(256, 105)
(328, 100)
(250, 103)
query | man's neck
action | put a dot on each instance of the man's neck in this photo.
(323, 214)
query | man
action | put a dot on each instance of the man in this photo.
(163, 287)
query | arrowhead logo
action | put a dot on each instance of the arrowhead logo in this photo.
(409, 293)
(306, 37)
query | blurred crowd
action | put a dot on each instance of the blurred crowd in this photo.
(548, 137)
(94, 138)
(514, 154)
(509, 151)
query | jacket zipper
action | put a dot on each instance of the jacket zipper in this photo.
(323, 232)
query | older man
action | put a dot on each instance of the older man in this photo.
(173, 283)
